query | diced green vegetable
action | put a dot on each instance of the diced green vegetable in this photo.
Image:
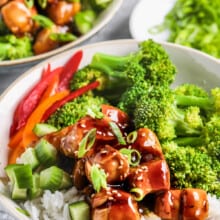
(51, 178)
(79, 210)
(42, 129)
(66, 181)
(30, 157)
(21, 174)
(46, 153)
(18, 193)
(35, 191)
(9, 169)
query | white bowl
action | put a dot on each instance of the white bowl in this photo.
(147, 15)
(193, 66)
(102, 20)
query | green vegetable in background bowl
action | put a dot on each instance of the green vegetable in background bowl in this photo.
(29, 28)
(195, 24)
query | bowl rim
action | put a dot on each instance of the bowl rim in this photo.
(103, 19)
(93, 45)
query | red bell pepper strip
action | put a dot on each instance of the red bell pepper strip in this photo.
(68, 98)
(69, 69)
(26, 106)
(46, 70)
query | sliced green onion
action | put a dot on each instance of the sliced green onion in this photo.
(134, 156)
(117, 132)
(23, 211)
(62, 37)
(29, 3)
(87, 142)
(98, 178)
(42, 3)
(137, 193)
(131, 138)
(43, 21)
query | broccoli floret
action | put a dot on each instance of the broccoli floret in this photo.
(119, 75)
(190, 167)
(191, 90)
(111, 85)
(150, 62)
(128, 99)
(12, 47)
(158, 111)
(174, 113)
(210, 103)
(72, 111)
(156, 70)
(212, 136)
(209, 138)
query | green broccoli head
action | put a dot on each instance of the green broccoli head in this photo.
(157, 110)
(85, 76)
(190, 89)
(193, 117)
(212, 136)
(190, 167)
(72, 111)
(159, 67)
(215, 95)
(12, 48)
(130, 97)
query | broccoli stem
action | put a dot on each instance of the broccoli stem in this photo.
(181, 126)
(189, 141)
(108, 63)
(202, 102)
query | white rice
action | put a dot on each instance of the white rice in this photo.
(54, 206)
(214, 208)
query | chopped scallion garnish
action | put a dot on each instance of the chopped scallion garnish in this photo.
(133, 156)
(137, 193)
(62, 37)
(87, 142)
(98, 177)
(43, 21)
(117, 132)
(131, 138)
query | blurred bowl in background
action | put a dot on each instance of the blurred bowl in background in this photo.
(15, 66)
